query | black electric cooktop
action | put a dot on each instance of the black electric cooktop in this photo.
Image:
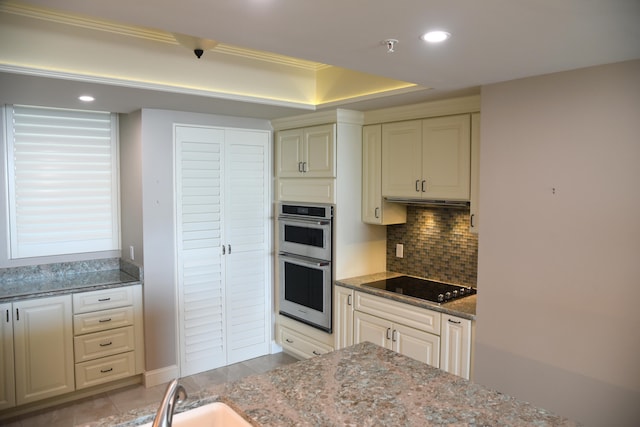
(424, 289)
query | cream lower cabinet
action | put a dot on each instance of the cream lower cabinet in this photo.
(108, 340)
(409, 330)
(300, 345)
(7, 378)
(343, 316)
(408, 341)
(43, 346)
(455, 356)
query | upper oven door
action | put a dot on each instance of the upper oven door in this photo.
(306, 237)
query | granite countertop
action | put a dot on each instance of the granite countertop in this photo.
(462, 307)
(361, 385)
(65, 278)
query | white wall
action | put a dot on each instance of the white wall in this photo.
(558, 322)
(157, 206)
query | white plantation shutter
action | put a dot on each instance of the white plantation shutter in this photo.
(63, 181)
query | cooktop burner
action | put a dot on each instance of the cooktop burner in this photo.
(424, 289)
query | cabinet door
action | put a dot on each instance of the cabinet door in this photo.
(343, 312)
(200, 270)
(416, 344)
(402, 159)
(456, 346)
(43, 339)
(474, 197)
(247, 222)
(374, 209)
(7, 380)
(319, 152)
(446, 157)
(372, 329)
(289, 155)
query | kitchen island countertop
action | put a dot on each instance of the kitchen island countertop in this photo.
(361, 385)
(462, 307)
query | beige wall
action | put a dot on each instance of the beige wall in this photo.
(558, 320)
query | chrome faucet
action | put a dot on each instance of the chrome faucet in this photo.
(175, 393)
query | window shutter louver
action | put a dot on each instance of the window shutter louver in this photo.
(63, 181)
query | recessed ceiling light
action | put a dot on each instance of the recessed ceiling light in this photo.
(86, 98)
(435, 36)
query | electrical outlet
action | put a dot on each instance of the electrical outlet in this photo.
(399, 250)
(131, 253)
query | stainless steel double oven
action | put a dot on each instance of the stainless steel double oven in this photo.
(305, 262)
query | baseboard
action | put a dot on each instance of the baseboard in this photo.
(275, 347)
(160, 376)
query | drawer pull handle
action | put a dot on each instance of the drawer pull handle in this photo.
(316, 353)
(104, 299)
(104, 371)
(289, 341)
(106, 344)
(388, 331)
(104, 320)
(455, 322)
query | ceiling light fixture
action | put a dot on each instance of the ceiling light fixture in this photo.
(86, 98)
(435, 36)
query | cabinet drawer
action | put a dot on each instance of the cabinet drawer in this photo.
(104, 370)
(398, 312)
(86, 302)
(100, 344)
(102, 320)
(300, 345)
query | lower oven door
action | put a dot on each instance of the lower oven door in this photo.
(305, 290)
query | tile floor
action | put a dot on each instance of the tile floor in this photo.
(123, 400)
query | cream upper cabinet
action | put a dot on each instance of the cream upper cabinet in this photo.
(7, 379)
(427, 159)
(474, 218)
(343, 316)
(43, 343)
(374, 209)
(456, 346)
(306, 152)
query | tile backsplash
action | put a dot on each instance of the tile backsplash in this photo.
(437, 245)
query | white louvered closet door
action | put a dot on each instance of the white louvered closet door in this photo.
(199, 215)
(223, 246)
(247, 219)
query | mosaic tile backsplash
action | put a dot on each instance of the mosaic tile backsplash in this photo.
(437, 245)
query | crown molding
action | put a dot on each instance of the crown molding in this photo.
(445, 107)
(339, 115)
(147, 34)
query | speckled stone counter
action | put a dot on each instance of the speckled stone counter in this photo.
(463, 307)
(63, 278)
(363, 385)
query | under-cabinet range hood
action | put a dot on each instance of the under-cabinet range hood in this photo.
(457, 204)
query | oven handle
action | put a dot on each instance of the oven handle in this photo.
(308, 261)
(299, 220)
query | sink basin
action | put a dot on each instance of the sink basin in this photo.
(215, 414)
